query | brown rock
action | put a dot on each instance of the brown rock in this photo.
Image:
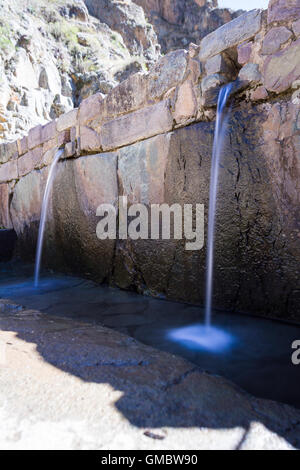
(90, 108)
(280, 10)
(167, 73)
(139, 125)
(67, 120)
(244, 52)
(5, 220)
(186, 103)
(22, 145)
(8, 151)
(8, 171)
(30, 161)
(48, 157)
(259, 94)
(90, 140)
(70, 149)
(53, 143)
(128, 96)
(35, 137)
(194, 70)
(91, 180)
(274, 39)
(282, 68)
(231, 34)
(193, 50)
(219, 64)
(49, 131)
(142, 170)
(63, 137)
(296, 28)
(250, 73)
(210, 89)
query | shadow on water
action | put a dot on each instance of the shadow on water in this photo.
(255, 354)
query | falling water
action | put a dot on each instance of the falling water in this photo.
(44, 216)
(221, 123)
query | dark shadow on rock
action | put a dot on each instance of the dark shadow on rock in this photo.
(159, 389)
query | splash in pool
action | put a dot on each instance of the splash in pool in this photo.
(202, 337)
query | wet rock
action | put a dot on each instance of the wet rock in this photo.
(210, 87)
(5, 220)
(7, 244)
(92, 180)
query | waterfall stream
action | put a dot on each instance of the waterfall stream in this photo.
(220, 129)
(43, 220)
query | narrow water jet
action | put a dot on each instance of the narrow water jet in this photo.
(221, 124)
(45, 204)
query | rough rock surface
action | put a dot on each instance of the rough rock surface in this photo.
(179, 22)
(140, 126)
(68, 384)
(54, 54)
(257, 235)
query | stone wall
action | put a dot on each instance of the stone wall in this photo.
(151, 139)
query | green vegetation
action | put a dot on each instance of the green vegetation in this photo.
(5, 42)
(65, 31)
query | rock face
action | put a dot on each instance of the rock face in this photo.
(7, 244)
(129, 20)
(282, 69)
(150, 139)
(52, 55)
(179, 22)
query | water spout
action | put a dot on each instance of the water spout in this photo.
(221, 123)
(45, 204)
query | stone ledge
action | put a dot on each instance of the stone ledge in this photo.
(139, 125)
(231, 34)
